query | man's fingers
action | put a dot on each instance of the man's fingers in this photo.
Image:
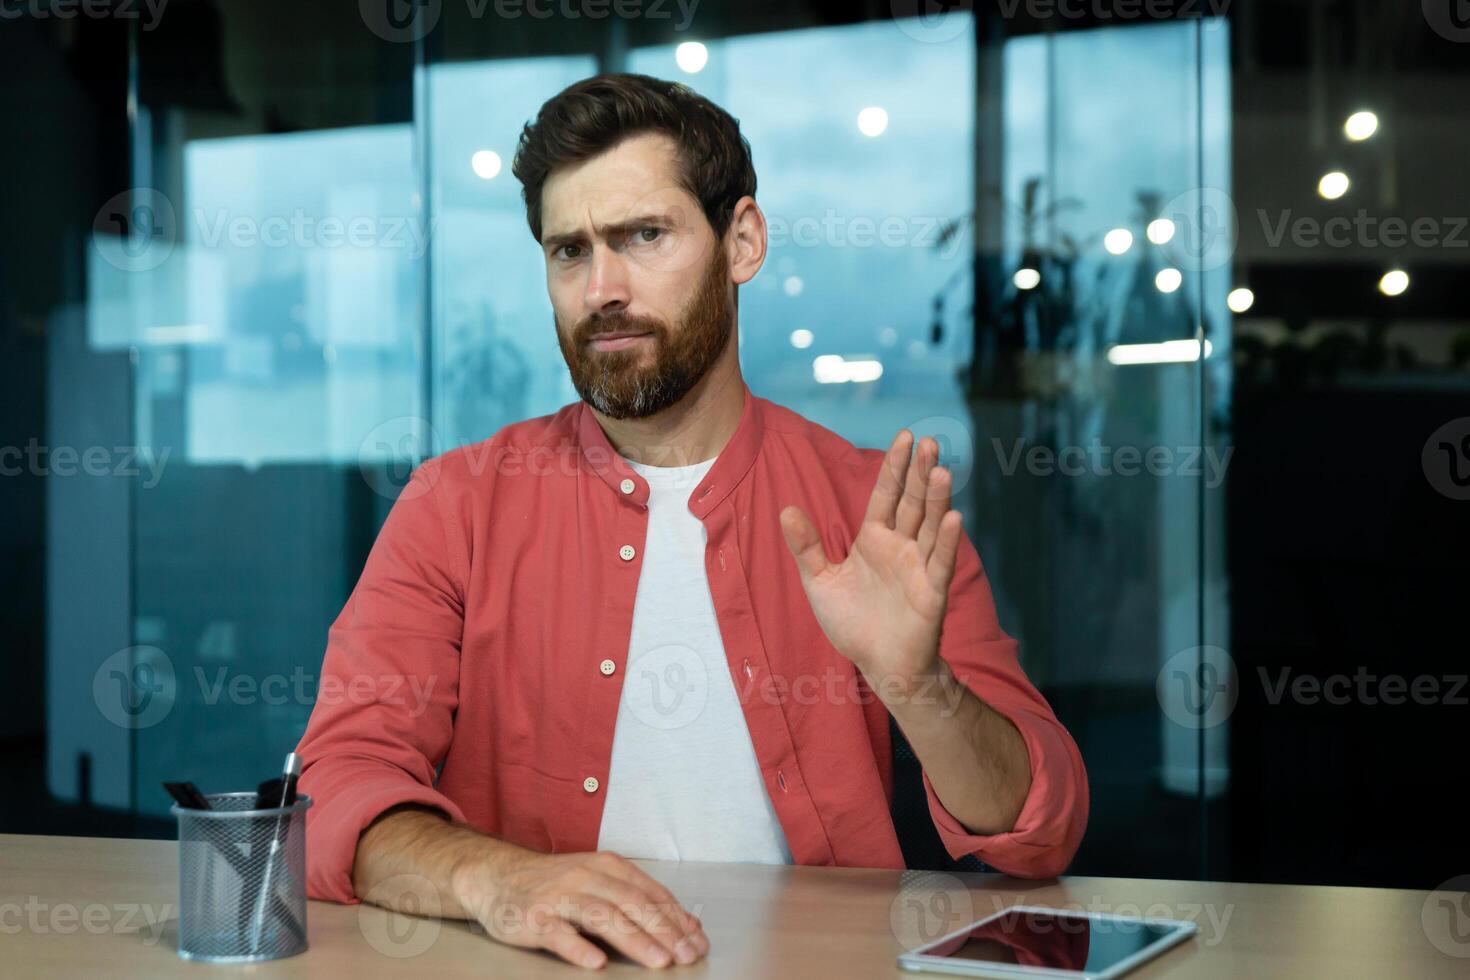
(597, 917)
(889, 488)
(559, 903)
(940, 568)
(911, 508)
(684, 923)
(565, 941)
(804, 541)
(655, 917)
(936, 505)
(655, 899)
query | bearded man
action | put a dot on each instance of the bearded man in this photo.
(671, 620)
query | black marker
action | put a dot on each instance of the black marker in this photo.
(187, 795)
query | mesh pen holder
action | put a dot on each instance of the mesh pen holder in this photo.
(242, 880)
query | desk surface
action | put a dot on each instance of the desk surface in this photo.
(72, 906)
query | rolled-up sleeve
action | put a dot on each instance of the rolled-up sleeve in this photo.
(385, 703)
(980, 654)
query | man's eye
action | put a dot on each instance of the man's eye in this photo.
(567, 252)
(649, 233)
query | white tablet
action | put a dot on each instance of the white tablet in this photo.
(1027, 941)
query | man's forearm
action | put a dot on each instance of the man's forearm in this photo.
(408, 856)
(975, 758)
(415, 860)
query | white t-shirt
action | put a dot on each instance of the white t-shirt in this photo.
(684, 784)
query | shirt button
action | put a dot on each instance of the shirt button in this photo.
(626, 486)
(590, 784)
(626, 552)
(607, 667)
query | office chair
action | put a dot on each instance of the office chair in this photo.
(917, 836)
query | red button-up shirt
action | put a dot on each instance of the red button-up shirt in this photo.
(466, 671)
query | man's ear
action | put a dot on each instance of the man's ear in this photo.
(745, 240)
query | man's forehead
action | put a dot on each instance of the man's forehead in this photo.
(637, 173)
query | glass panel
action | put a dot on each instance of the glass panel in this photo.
(269, 290)
(1088, 407)
(496, 356)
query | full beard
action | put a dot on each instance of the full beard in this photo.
(619, 383)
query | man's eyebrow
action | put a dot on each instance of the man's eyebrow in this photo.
(615, 229)
(561, 238)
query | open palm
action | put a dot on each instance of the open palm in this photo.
(883, 605)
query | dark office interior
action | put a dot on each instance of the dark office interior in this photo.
(1311, 529)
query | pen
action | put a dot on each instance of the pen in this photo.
(287, 797)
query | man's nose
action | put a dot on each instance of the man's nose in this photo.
(607, 282)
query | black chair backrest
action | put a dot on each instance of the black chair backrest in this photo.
(917, 836)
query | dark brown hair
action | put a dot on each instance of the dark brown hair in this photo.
(597, 113)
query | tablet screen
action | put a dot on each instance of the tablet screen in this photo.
(1052, 940)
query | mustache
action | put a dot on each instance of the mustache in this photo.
(616, 322)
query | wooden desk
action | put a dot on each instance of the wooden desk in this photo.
(81, 907)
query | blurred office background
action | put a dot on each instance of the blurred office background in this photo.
(1180, 287)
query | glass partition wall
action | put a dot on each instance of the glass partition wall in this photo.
(1017, 240)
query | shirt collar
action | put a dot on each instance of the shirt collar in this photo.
(735, 458)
